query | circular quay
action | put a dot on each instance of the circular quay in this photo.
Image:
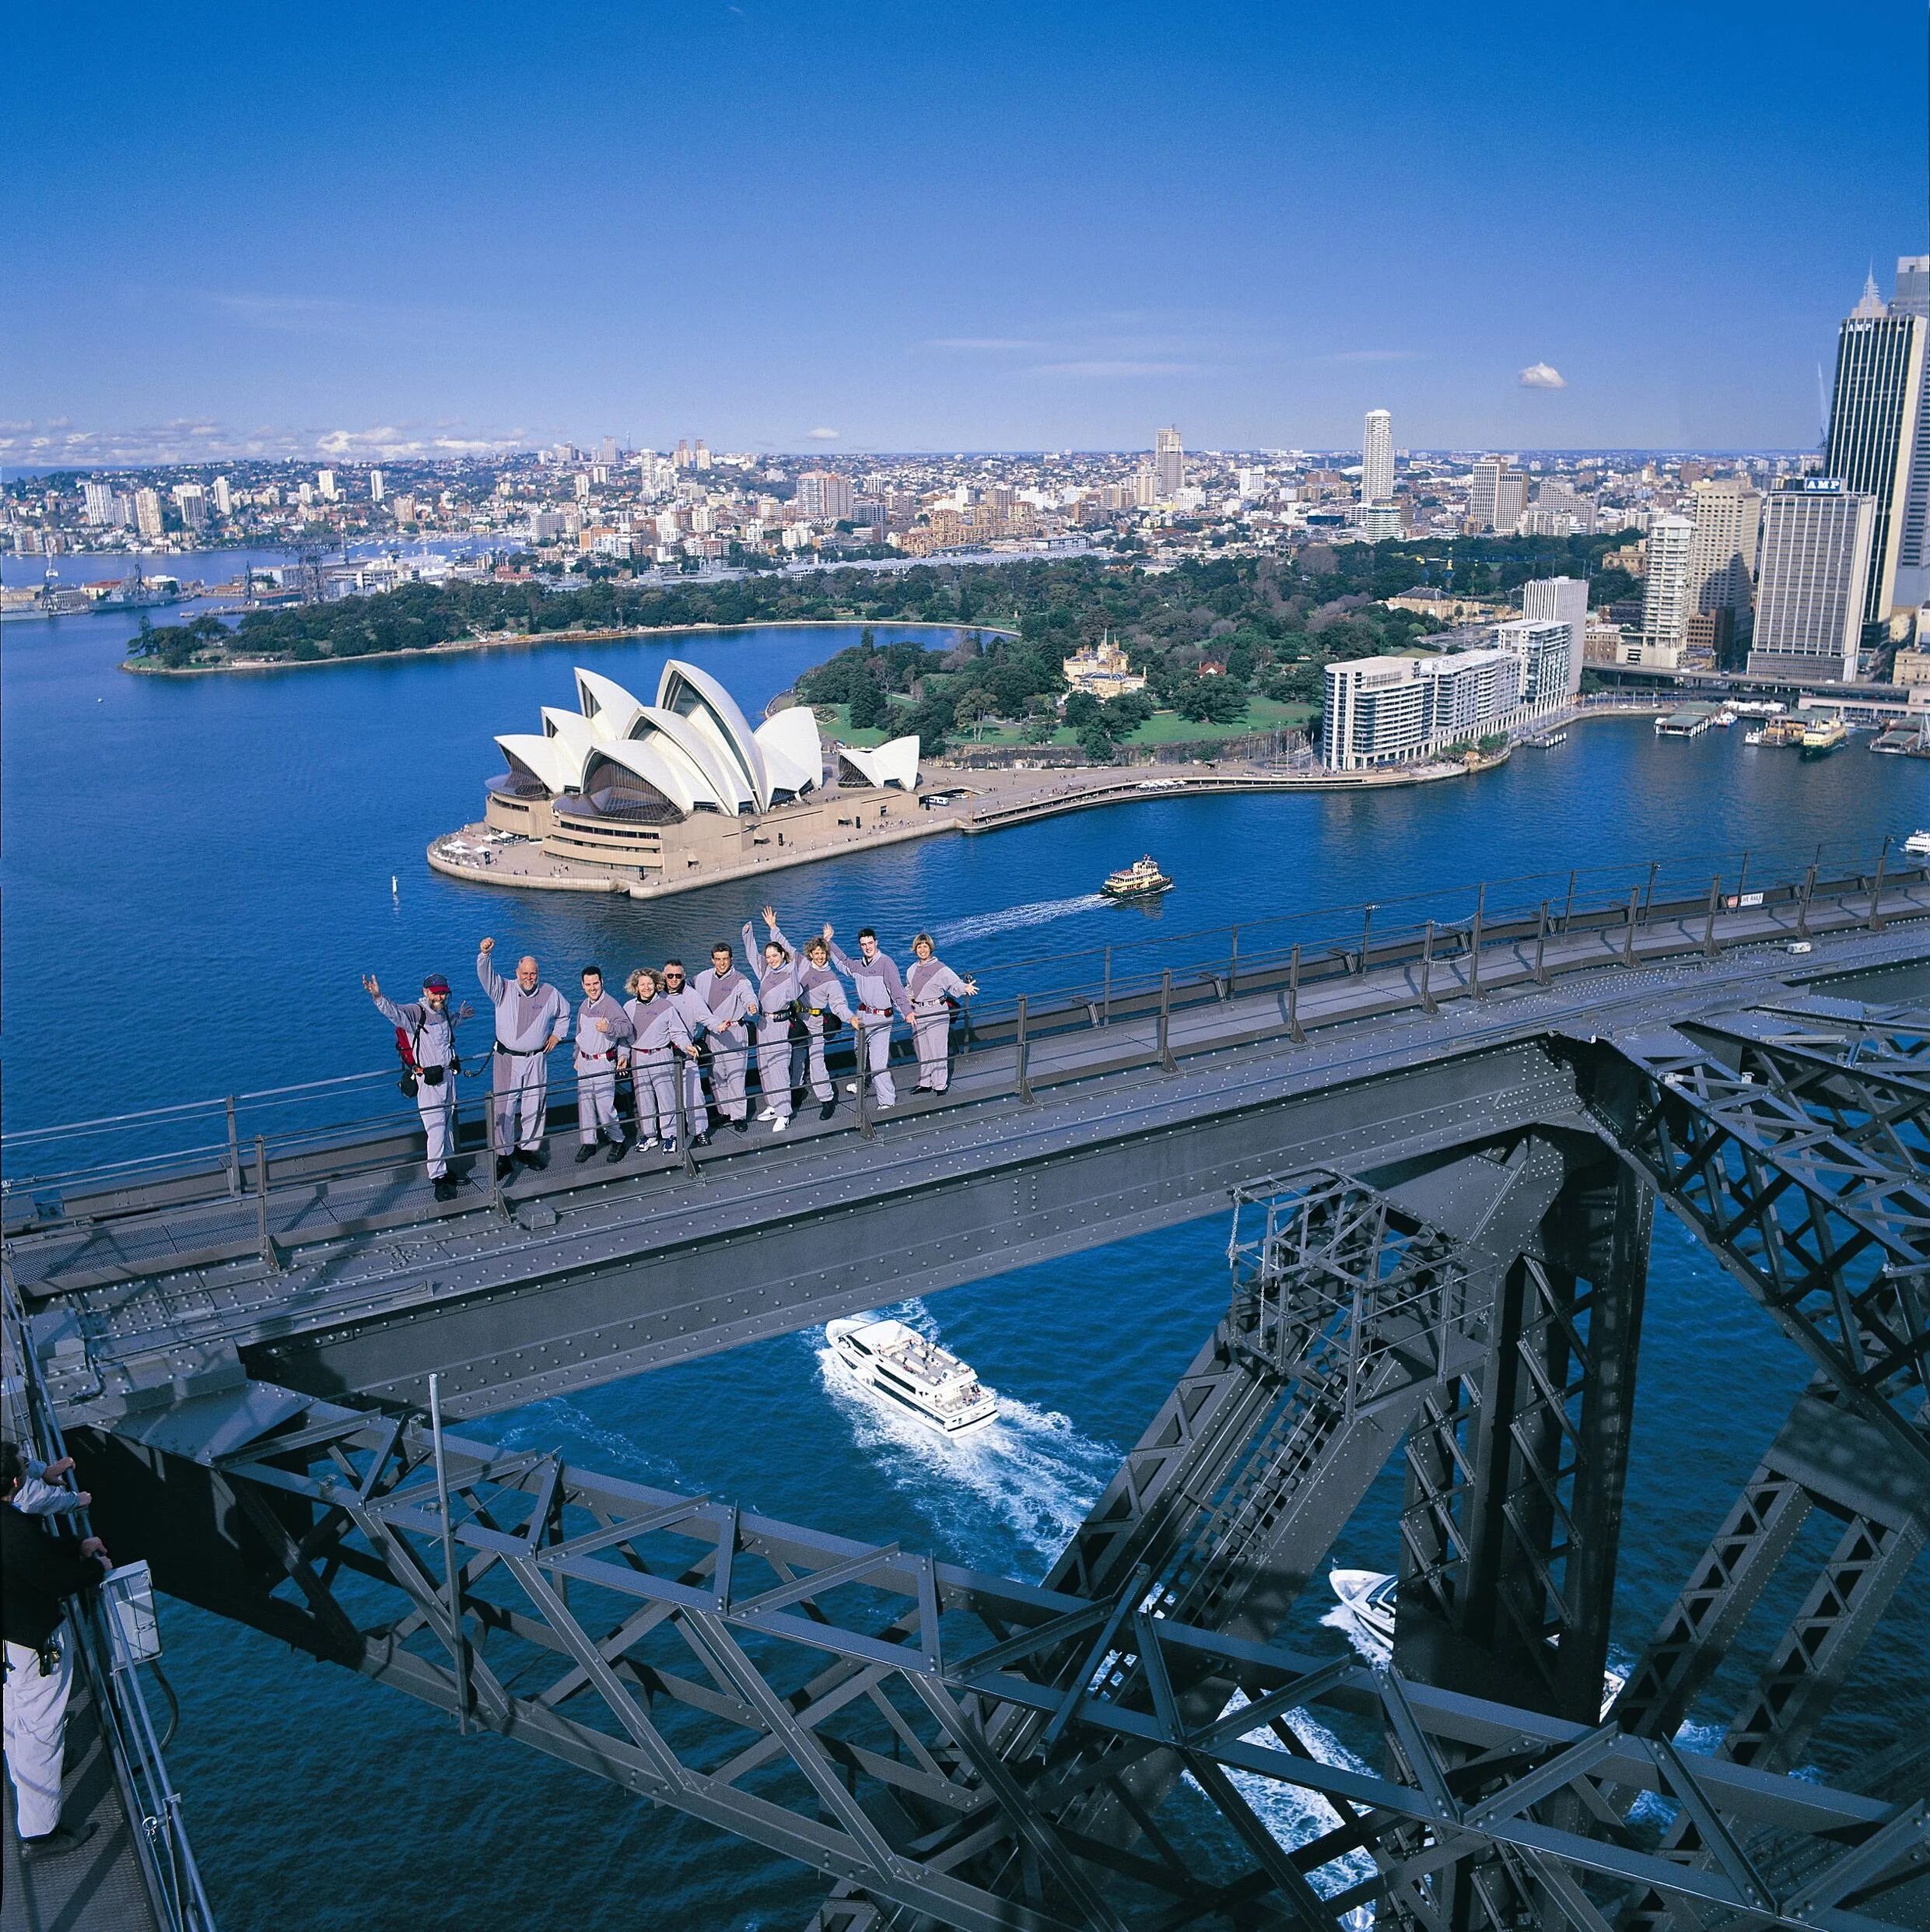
(1006, 1018)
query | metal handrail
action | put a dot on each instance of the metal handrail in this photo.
(1055, 993)
(154, 1807)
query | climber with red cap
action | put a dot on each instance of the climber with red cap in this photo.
(426, 1034)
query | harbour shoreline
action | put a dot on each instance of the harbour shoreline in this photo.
(1105, 786)
(505, 640)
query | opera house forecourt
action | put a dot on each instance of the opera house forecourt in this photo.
(619, 796)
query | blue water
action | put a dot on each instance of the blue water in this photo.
(203, 867)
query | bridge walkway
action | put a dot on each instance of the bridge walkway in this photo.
(372, 1189)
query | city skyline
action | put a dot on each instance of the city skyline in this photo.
(639, 226)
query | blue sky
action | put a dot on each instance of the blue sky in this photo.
(988, 226)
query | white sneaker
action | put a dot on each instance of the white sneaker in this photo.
(885, 1107)
(779, 1122)
(851, 1086)
(768, 1114)
(645, 1145)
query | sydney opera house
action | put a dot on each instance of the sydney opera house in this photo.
(644, 789)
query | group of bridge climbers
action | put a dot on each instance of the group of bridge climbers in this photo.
(776, 1014)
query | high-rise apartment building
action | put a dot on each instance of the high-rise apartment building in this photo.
(1665, 599)
(1549, 650)
(325, 485)
(608, 453)
(147, 514)
(1727, 515)
(700, 456)
(224, 496)
(1169, 463)
(378, 486)
(191, 500)
(1377, 458)
(97, 499)
(824, 496)
(1874, 415)
(1812, 581)
(1560, 600)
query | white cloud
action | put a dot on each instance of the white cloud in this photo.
(1106, 369)
(191, 439)
(1541, 376)
(825, 436)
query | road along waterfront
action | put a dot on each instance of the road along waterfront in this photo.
(215, 857)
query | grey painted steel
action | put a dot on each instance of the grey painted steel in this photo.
(822, 1696)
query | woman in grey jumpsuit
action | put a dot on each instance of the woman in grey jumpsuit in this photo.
(659, 1035)
(930, 984)
(819, 992)
(777, 991)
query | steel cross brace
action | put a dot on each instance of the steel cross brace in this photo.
(821, 1636)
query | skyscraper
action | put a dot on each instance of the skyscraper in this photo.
(98, 499)
(823, 495)
(224, 496)
(1727, 514)
(1817, 538)
(147, 514)
(1497, 495)
(1169, 461)
(325, 485)
(1874, 415)
(1665, 600)
(1913, 559)
(1377, 458)
(378, 485)
(1560, 600)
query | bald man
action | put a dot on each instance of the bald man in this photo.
(531, 1019)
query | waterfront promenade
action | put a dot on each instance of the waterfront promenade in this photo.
(951, 801)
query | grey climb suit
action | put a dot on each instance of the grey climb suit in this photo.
(656, 1029)
(777, 992)
(728, 1002)
(689, 1002)
(819, 992)
(432, 1041)
(596, 1063)
(929, 983)
(881, 994)
(519, 1068)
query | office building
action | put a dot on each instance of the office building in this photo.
(1498, 495)
(377, 486)
(325, 485)
(1379, 521)
(1727, 515)
(1169, 463)
(1377, 458)
(1874, 412)
(609, 449)
(1665, 599)
(1812, 581)
(1561, 600)
(1913, 286)
(824, 496)
(97, 499)
(1913, 559)
(147, 514)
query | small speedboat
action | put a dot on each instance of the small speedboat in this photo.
(1368, 1598)
(1142, 879)
(902, 1370)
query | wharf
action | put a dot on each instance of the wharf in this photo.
(969, 802)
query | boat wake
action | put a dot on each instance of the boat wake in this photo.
(1295, 1816)
(559, 1423)
(1031, 1473)
(981, 925)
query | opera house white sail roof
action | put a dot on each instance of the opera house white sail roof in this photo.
(692, 750)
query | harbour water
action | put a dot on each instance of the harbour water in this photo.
(197, 871)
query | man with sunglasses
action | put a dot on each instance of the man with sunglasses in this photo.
(690, 1005)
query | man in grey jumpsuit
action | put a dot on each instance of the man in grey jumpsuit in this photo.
(875, 979)
(603, 1031)
(685, 997)
(530, 1018)
(820, 991)
(432, 1030)
(728, 1002)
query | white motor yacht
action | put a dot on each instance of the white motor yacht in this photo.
(1917, 845)
(1368, 1598)
(905, 1372)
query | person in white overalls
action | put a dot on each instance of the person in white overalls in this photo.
(531, 1019)
(430, 1028)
